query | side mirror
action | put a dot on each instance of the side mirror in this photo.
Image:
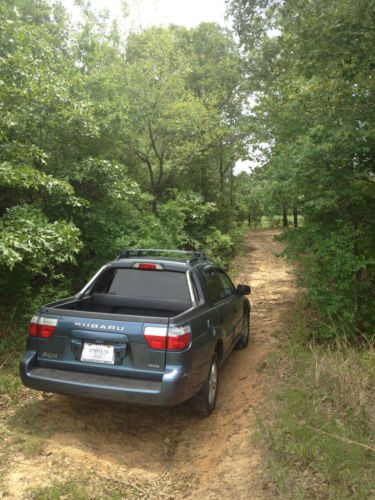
(243, 290)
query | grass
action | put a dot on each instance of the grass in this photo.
(32, 445)
(319, 421)
(12, 343)
(12, 395)
(88, 486)
(67, 490)
(10, 385)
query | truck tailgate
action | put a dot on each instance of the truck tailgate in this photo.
(103, 346)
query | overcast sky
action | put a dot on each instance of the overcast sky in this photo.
(144, 13)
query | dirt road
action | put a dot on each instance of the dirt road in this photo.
(165, 453)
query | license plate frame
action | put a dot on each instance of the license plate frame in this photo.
(98, 353)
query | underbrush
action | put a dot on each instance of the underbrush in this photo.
(319, 421)
(336, 267)
(276, 221)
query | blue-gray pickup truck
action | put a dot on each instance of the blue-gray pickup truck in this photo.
(151, 327)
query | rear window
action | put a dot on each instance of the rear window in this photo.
(144, 284)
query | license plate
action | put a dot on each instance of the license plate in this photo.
(98, 353)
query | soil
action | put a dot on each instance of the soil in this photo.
(166, 453)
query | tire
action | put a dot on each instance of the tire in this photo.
(205, 401)
(243, 341)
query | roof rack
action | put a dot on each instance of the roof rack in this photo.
(143, 252)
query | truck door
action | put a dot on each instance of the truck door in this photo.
(235, 310)
(219, 321)
(223, 300)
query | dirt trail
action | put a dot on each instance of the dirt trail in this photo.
(169, 453)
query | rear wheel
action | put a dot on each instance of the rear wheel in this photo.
(205, 401)
(245, 335)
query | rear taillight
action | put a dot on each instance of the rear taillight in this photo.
(33, 328)
(46, 327)
(176, 338)
(41, 326)
(179, 338)
(156, 337)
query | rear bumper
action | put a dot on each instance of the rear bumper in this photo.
(174, 387)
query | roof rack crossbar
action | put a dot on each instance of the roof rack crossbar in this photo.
(142, 252)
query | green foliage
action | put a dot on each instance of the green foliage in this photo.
(315, 110)
(25, 177)
(338, 297)
(194, 229)
(218, 246)
(107, 143)
(26, 237)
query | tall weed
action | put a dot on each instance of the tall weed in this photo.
(319, 421)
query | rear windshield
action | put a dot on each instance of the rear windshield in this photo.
(144, 284)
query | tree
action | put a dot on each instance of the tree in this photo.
(38, 112)
(165, 121)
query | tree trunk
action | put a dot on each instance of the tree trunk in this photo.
(221, 174)
(295, 216)
(285, 217)
(231, 187)
(154, 205)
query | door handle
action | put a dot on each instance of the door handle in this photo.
(211, 327)
(92, 335)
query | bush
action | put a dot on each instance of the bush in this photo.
(339, 277)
